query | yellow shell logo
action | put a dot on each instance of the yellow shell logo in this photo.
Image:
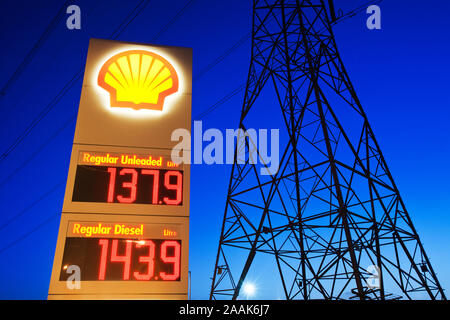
(138, 79)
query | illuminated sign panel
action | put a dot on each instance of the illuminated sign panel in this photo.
(128, 185)
(102, 259)
(138, 79)
(129, 178)
(125, 217)
(141, 113)
(122, 251)
(122, 256)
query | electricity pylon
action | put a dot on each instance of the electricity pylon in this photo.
(330, 223)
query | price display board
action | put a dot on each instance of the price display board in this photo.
(142, 183)
(123, 256)
(103, 259)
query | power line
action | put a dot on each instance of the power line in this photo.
(127, 21)
(199, 75)
(196, 78)
(24, 236)
(241, 87)
(115, 34)
(31, 85)
(176, 17)
(216, 105)
(30, 55)
(29, 207)
(355, 11)
(55, 187)
(119, 30)
(130, 18)
(41, 115)
(75, 78)
(68, 86)
(199, 116)
(223, 56)
(38, 150)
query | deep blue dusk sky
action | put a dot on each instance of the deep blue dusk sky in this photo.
(400, 73)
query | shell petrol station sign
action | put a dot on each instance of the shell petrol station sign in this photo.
(124, 230)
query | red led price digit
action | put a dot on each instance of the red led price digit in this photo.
(178, 186)
(103, 255)
(149, 259)
(131, 185)
(125, 259)
(175, 259)
(112, 183)
(155, 174)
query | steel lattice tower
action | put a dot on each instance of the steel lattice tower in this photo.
(332, 209)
